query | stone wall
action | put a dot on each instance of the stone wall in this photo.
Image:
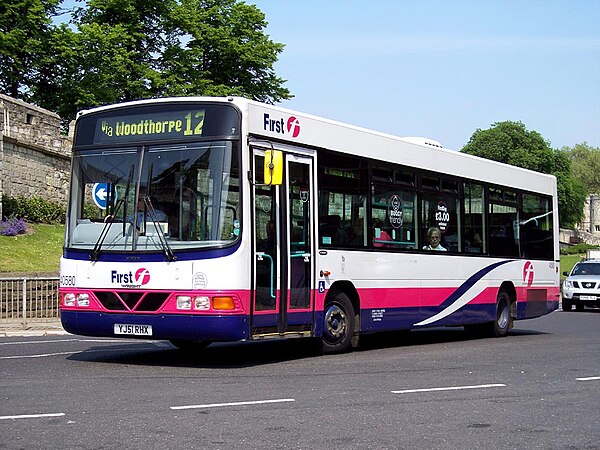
(35, 159)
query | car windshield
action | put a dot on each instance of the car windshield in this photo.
(154, 198)
(586, 269)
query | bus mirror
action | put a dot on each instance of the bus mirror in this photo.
(273, 167)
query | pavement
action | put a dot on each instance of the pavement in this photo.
(46, 328)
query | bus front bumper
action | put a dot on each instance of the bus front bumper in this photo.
(160, 326)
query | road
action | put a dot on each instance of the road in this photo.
(537, 388)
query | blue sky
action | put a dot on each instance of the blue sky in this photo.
(442, 69)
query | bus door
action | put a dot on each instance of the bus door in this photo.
(283, 294)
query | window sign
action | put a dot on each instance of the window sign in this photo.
(442, 216)
(395, 212)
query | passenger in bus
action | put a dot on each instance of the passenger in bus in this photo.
(434, 236)
(356, 233)
(332, 232)
(473, 242)
(379, 234)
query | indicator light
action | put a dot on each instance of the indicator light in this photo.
(223, 303)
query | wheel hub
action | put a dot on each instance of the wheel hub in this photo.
(335, 322)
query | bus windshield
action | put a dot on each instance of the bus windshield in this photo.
(153, 197)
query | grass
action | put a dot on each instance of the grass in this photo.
(567, 262)
(38, 252)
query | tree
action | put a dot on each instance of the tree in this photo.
(25, 27)
(585, 165)
(120, 50)
(511, 143)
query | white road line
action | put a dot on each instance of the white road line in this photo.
(217, 405)
(43, 355)
(32, 416)
(588, 378)
(111, 341)
(38, 342)
(451, 388)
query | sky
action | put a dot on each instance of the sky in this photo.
(442, 69)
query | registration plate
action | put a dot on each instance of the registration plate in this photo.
(133, 330)
(587, 297)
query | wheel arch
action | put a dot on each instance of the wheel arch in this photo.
(349, 289)
(509, 288)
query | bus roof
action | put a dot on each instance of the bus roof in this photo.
(296, 128)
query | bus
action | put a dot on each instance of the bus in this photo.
(199, 220)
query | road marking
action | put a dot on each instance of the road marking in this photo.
(43, 355)
(217, 405)
(38, 342)
(98, 350)
(32, 416)
(588, 378)
(451, 388)
(113, 341)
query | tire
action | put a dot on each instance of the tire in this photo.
(504, 320)
(566, 305)
(498, 327)
(189, 346)
(338, 323)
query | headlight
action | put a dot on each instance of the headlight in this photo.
(69, 299)
(568, 284)
(184, 302)
(83, 300)
(202, 303)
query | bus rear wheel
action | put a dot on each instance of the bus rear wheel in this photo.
(504, 319)
(338, 323)
(499, 327)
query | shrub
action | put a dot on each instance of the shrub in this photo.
(12, 227)
(577, 249)
(35, 209)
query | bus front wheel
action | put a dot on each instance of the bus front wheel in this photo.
(338, 324)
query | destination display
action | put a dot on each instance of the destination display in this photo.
(158, 123)
(150, 126)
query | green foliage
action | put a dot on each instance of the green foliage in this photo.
(34, 210)
(120, 50)
(25, 27)
(577, 249)
(511, 143)
(585, 166)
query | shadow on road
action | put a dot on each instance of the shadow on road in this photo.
(248, 354)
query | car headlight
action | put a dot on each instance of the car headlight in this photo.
(568, 284)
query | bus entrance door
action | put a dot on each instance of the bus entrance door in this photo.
(283, 299)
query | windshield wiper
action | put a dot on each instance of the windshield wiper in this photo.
(161, 237)
(111, 219)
